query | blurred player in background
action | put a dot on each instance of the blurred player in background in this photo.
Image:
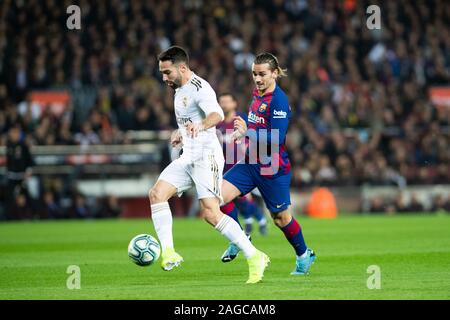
(246, 205)
(268, 120)
(200, 165)
(19, 162)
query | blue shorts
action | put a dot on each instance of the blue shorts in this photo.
(275, 191)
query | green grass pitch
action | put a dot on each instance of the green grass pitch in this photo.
(412, 252)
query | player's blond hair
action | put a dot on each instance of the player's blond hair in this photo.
(270, 59)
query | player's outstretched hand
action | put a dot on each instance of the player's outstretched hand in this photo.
(176, 139)
(240, 129)
(193, 129)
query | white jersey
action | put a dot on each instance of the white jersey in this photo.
(193, 102)
(202, 161)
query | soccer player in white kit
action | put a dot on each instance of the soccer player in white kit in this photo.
(201, 163)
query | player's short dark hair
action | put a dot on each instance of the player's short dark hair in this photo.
(175, 54)
(267, 57)
(224, 94)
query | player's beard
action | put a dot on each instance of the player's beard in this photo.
(176, 83)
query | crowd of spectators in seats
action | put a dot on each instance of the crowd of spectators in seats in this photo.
(359, 97)
(438, 203)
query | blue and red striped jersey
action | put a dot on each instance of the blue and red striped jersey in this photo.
(268, 112)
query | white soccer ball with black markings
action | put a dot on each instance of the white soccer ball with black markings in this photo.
(144, 250)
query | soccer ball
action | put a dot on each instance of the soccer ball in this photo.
(144, 250)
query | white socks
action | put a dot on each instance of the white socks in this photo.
(231, 230)
(162, 220)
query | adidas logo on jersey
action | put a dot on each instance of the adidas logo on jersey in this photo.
(255, 119)
(196, 82)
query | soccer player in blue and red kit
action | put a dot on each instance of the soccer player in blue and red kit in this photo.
(266, 128)
(233, 152)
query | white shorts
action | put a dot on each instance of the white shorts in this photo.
(205, 174)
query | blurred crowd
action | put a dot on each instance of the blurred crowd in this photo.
(361, 110)
(438, 203)
(52, 205)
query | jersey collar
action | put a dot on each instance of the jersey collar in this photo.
(187, 82)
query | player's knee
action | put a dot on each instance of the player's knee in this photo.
(155, 196)
(211, 216)
(229, 192)
(278, 222)
(207, 216)
(227, 198)
(281, 219)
